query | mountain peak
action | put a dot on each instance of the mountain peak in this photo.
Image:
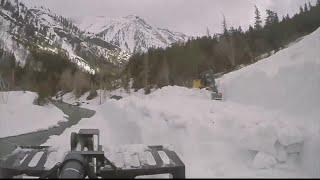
(131, 33)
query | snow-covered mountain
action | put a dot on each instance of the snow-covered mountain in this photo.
(23, 29)
(130, 33)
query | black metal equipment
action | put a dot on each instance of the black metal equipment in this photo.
(208, 79)
(87, 159)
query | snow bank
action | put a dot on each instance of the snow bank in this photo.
(264, 161)
(18, 114)
(288, 80)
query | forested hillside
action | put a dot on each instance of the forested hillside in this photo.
(232, 49)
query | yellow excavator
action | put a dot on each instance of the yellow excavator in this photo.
(207, 80)
(197, 83)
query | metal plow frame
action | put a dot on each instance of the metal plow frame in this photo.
(216, 96)
(18, 163)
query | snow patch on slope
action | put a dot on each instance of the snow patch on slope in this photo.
(82, 64)
(9, 45)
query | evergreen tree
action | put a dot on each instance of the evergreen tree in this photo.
(287, 17)
(305, 7)
(163, 76)
(146, 73)
(269, 17)
(251, 29)
(208, 32)
(258, 21)
(8, 6)
(272, 18)
(224, 26)
(310, 6)
(301, 10)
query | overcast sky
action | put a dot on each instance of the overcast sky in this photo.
(191, 17)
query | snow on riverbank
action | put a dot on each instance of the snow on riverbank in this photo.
(18, 114)
(266, 126)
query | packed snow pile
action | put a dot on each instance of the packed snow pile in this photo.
(287, 81)
(206, 134)
(266, 126)
(18, 114)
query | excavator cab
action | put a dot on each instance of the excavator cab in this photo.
(198, 84)
(207, 80)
